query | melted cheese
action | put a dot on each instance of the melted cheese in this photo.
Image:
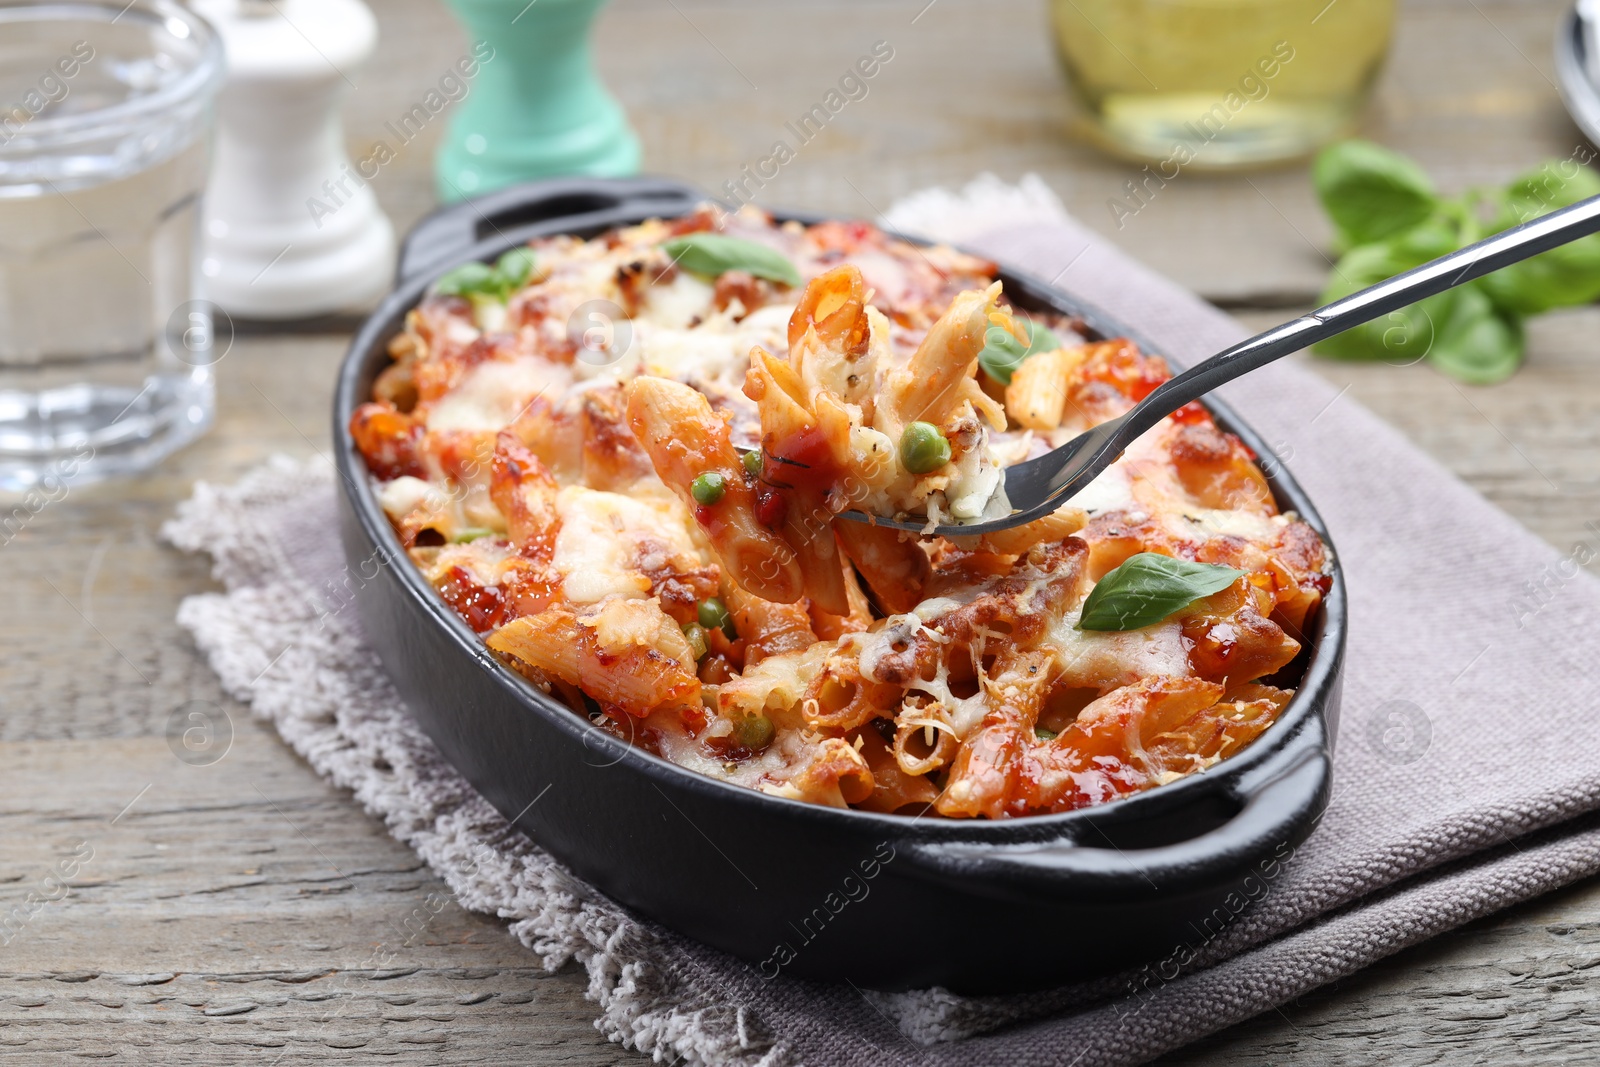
(676, 303)
(961, 714)
(406, 494)
(975, 490)
(597, 547)
(481, 559)
(492, 394)
(1110, 491)
(716, 350)
(1108, 659)
(1255, 528)
(769, 770)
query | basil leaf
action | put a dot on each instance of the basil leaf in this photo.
(1562, 277)
(1544, 190)
(1002, 353)
(714, 253)
(1367, 265)
(1436, 236)
(516, 267)
(1401, 337)
(481, 281)
(1148, 588)
(468, 278)
(1371, 192)
(1478, 343)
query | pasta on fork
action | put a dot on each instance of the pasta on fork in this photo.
(645, 526)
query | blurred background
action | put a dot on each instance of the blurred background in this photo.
(975, 86)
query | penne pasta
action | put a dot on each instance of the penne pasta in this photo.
(1037, 394)
(525, 493)
(626, 654)
(1056, 526)
(932, 385)
(685, 441)
(769, 629)
(857, 617)
(840, 697)
(613, 459)
(894, 567)
(893, 790)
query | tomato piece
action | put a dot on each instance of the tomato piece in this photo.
(770, 508)
(388, 441)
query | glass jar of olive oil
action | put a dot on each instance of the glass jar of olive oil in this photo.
(1218, 84)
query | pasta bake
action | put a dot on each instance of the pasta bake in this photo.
(621, 460)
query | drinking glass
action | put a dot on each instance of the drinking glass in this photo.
(1219, 84)
(105, 355)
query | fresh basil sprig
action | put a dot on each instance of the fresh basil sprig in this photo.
(1002, 353)
(1390, 219)
(1370, 192)
(713, 254)
(1562, 277)
(510, 272)
(1148, 588)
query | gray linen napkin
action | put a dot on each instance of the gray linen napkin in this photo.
(1466, 776)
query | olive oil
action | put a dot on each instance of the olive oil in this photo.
(1217, 84)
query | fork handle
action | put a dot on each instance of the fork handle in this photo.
(1446, 272)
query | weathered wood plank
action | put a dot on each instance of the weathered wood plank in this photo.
(245, 911)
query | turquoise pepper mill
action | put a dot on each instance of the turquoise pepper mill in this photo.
(538, 109)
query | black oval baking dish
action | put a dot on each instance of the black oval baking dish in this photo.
(885, 901)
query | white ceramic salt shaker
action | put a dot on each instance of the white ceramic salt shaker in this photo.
(292, 229)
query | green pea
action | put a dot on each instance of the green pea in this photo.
(714, 615)
(754, 733)
(708, 487)
(696, 636)
(1045, 734)
(923, 449)
(752, 463)
(471, 533)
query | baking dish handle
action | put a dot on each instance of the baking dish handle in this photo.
(1271, 821)
(522, 211)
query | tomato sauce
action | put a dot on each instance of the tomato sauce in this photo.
(800, 461)
(484, 607)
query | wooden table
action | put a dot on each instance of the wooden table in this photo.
(226, 909)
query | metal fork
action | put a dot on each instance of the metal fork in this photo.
(1040, 486)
